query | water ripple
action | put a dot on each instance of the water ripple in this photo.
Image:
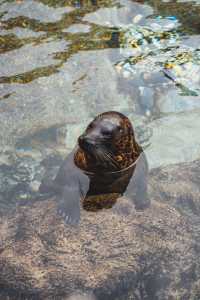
(33, 10)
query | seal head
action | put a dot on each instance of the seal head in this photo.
(107, 145)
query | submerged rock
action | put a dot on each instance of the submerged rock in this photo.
(175, 139)
(116, 253)
(77, 28)
(33, 10)
(119, 16)
(179, 187)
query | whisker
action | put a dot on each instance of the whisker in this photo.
(106, 157)
(113, 162)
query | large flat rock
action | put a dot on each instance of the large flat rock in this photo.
(116, 253)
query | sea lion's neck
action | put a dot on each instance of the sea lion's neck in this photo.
(128, 153)
(124, 158)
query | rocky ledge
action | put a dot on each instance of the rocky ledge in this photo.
(117, 253)
(114, 254)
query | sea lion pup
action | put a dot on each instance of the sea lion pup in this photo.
(107, 163)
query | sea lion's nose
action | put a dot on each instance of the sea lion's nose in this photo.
(85, 141)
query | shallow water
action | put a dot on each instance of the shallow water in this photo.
(64, 62)
(55, 57)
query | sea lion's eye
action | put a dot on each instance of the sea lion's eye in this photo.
(119, 129)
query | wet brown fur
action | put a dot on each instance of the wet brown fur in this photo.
(126, 148)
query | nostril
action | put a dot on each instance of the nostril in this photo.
(84, 141)
(81, 140)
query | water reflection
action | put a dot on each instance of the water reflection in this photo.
(21, 32)
(32, 10)
(77, 28)
(190, 22)
(17, 62)
(118, 16)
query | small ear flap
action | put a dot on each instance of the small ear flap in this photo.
(129, 130)
(128, 125)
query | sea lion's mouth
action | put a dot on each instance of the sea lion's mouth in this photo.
(105, 158)
(99, 153)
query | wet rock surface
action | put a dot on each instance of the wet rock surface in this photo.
(179, 186)
(174, 139)
(117, 253)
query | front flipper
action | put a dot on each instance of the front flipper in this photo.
(69, 205)
(72, 194)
